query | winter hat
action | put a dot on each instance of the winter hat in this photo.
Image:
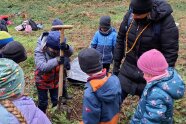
(152, 62)
(89, 61)
(11, 79)
(57, 22)
(141, 6)
(53, 40)
(15, 51)
(5, 38)
(105, 22)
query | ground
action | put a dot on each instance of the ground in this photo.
(84, 15)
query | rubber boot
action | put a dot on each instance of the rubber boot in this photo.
(65, 93)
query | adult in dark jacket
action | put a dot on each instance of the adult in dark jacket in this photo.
(152, 27)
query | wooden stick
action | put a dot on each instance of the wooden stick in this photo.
(60, 88)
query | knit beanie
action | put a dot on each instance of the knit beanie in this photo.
(15, 51)
(141, 6)
(5, 38)
(152, 62)
(11, 79)
(89, 61)
(53, 40)
(105, 22)
(57, 22)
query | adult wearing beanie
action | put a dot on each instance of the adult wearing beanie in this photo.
(14, 105)
(148, 25)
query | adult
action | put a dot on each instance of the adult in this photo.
(150, 25)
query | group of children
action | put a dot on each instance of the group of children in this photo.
(102, 95)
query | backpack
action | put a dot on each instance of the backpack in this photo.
(3, 26)
(28, 29)
(156, 26)
(33, 25)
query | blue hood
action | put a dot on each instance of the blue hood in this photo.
(173, 85)
(108, 91)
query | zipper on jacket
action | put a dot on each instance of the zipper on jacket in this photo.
(103, 49)
(138, 27)
(55, 77)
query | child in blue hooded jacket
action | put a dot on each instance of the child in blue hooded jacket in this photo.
(102, 94)
(164, 85)
(104, 41)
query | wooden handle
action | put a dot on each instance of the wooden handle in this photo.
(61, 67)
(59, 27)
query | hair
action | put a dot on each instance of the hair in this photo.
(10, 107)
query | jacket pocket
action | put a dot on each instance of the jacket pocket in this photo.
(131, 71)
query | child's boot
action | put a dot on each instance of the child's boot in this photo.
(65, 93)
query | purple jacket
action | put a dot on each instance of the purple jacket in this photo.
(27, 107)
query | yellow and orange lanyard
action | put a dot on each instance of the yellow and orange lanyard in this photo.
(126, 47)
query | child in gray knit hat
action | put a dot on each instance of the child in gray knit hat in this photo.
(104, 41)
(102, 95)
(14, 51)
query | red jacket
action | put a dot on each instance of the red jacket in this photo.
(47, 80)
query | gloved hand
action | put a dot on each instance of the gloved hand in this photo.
(64, 46)
(115, 71)
(60, 60)
(67, 63)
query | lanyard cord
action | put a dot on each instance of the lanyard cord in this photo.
(127, 34)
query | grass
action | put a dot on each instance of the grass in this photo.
(84, 15)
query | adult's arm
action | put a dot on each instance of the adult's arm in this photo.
(120, 45)
(169, 40)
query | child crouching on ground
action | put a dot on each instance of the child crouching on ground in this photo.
(102, 96)
(47, 62)
(164, 85)
(14, 106)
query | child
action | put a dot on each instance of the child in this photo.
(164, 85)
(14, 106)
(104, 41)
(47, 62)
(14, 51)
(56, 22)
(102, 95)
(5, 38)
(11, 49)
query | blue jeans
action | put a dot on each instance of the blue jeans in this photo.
(43, 98)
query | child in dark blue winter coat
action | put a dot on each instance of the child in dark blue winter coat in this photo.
(164, 85)
(102, 95)
(104, 41)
